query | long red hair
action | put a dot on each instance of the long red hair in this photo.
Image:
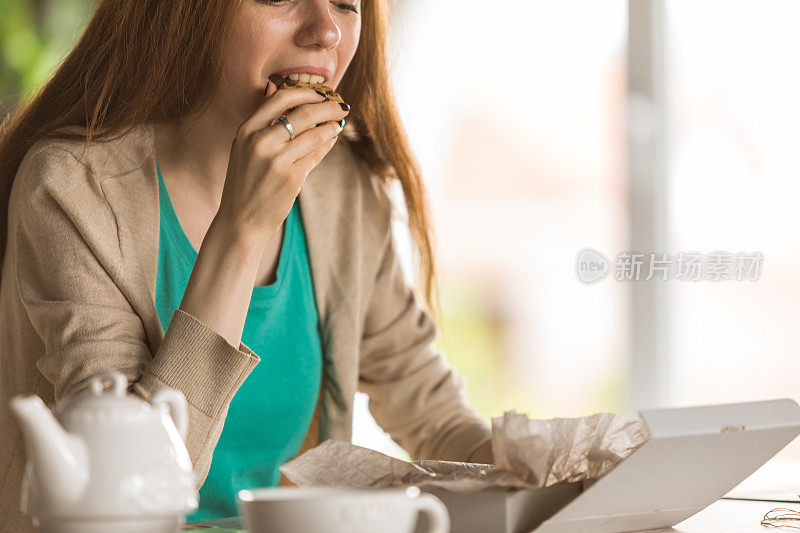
(142, 61)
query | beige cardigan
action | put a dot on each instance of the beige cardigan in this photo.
(78, 291)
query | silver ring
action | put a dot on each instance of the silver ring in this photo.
(286, 124)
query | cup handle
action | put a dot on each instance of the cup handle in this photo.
(438, 515)
(177, 404)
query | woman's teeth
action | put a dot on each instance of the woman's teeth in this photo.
(305, 77)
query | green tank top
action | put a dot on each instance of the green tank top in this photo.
(271, 412)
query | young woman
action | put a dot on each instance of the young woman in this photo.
(150, 226)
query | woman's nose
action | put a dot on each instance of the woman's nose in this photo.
(318, 26)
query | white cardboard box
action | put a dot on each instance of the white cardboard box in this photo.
(696, 455)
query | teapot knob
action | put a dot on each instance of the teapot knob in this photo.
(177, 404)
(119, 383)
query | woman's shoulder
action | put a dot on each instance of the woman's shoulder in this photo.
(67, 175)
(65, 154)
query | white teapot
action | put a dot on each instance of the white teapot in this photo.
(107, 461)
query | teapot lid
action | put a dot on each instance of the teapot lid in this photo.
(95, 401)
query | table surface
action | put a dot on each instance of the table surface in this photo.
(731, 516)
(775, 485)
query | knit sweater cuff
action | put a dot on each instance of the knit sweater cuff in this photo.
(463, 440)
(199, 362)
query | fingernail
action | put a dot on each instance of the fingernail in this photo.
(341, 123)
(266, 89)
(345, 107)
(320, 93)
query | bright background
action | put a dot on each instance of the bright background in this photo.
(658, 126)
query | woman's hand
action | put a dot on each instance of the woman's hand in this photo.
(266, 169)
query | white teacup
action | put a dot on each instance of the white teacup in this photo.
(317, 509)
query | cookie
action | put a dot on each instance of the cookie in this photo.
(330, 94)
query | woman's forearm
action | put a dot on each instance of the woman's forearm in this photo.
(221, 284)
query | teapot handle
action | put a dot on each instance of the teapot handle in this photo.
(177, 404)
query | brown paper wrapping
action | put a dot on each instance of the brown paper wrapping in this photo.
(528, 453)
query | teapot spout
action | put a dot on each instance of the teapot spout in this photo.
(60, 460)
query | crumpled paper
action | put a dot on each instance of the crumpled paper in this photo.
(336, 463)
(528, 454)
(557, 450)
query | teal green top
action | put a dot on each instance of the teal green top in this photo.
(270, 414)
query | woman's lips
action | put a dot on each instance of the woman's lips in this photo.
(278, 80)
